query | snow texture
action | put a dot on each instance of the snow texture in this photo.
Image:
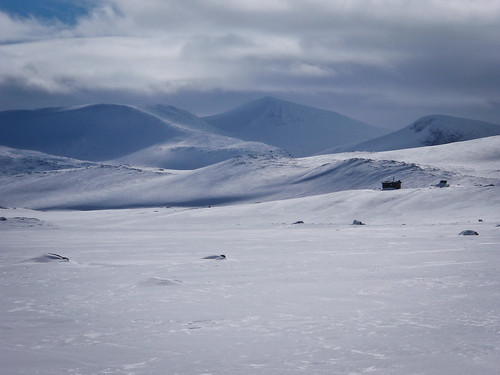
(403, 295)
(120, 284)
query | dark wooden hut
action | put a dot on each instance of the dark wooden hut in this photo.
(391, 185)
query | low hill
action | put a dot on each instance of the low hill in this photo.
(299, 129)
(427, 131)
(251, 178)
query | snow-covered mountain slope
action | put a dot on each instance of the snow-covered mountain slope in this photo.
(299, 129)
(94, 132)
(427, 131)
(18, 162)
(478, 157)
(251, 178)
(160, 136)
(197, 150)
(180, 117)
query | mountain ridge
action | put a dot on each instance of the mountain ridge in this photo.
(164, 136)
(161, 136)
(429, 130)
(301, 130)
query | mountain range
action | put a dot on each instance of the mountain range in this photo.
(112, 156)
(168, 137)
(159, 136)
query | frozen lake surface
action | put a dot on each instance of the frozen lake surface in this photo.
(396, 296)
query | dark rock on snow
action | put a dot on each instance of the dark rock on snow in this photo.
(468, 232)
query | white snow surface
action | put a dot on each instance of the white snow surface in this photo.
(402, 294)
(301, 130)
(428, 131)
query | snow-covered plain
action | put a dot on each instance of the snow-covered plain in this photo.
(403, 294)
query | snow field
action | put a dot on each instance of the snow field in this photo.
(401, 295)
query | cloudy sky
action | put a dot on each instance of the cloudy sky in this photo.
(385, 62)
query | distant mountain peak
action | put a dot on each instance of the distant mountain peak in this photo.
(422, 123)
(300, 129)
(429, 130)
(437, 120)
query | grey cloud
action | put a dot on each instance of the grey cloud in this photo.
(379, 61)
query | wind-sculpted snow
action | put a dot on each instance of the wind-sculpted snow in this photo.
(427, 131)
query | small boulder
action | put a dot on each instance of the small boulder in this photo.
(49, 257)
(57, 257)
(442, 184)
(468, 232)
(216, 257)
(358, 222)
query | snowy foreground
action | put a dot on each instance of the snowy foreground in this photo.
(403, 294)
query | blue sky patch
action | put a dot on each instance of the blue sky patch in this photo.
(66, 11)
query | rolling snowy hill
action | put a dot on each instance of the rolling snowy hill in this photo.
(427, 131)
(251, 178)
(160, 136)
(299, 129)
